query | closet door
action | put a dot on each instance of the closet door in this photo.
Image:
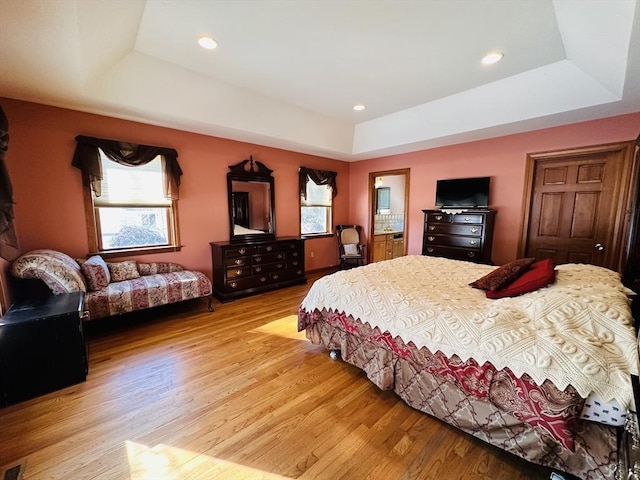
(577, 207)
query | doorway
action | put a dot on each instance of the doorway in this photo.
(577, 205)
(389, 208)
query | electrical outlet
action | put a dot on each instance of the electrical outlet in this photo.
(312, 254)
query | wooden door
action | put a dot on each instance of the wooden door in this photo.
(241, 209)
(577, 207)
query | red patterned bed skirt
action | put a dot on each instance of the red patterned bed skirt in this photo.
(536, 422)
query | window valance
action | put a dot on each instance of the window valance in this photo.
(87, 159)
(319, 177)
(8, 239)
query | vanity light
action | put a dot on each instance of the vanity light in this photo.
(208, 43)
(492, 57)
(359, 107)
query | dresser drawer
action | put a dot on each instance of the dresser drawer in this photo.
(466, 242)
(467, 218)
(454, 229)
(295, 263)
(268, 267)
(238, 272)
(263, 258)
(452, 252)
(239, 251)
(286, 275)
(243, 283)
(237, 262)
(280, 247)
(438, 218)
(274, 247)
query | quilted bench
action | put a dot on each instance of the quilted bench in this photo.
(113, 288)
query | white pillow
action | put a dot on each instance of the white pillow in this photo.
(351, 249)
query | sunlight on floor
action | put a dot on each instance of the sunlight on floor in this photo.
(286, 327)
(170, 463)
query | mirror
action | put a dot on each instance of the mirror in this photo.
(251, 202)
(388, 210)
(383, 200)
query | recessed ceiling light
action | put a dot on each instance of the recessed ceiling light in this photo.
(207, 42)
(359, 107)
(492, 57)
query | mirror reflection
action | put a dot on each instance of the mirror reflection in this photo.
(251, 202)
(251, 207)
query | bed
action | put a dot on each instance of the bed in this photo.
(528, 374)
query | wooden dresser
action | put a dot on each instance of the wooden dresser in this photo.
(461, 236)
(241, 269)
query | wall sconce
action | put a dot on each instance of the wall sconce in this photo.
(378, 182)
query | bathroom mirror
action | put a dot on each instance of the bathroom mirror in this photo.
(251, 202)
(383, 200)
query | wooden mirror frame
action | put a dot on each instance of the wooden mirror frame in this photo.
(251, 171)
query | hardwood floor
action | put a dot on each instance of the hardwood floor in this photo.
(182, 393)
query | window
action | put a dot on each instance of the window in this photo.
(131, 195)
(315, 210)
(132, 211)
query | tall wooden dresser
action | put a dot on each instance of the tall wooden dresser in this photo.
(241, 269)
(461, 236)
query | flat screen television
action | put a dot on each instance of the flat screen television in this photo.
(463, 192)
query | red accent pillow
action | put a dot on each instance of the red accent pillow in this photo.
(503, 275)
(539, 275)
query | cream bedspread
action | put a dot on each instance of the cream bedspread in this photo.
(578, 331)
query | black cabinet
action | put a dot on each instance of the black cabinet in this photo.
(241, 269)
(461, 236)
(42, 347)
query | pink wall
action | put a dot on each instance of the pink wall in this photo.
(503, 158)
(48, 190)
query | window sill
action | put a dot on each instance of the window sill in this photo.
(137, 251)
(309, 236)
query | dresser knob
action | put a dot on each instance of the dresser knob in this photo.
(275, 276)
(467, 219)
(258, 269)
(263, 279)
(280, 265)
(279, 256)
(430, 249)
(295, 254)
(474, 230)
(438, 217)
(238, 272)
(269, 248)
(257, 258)
(471, 254)
(295, 263)
(432, 228)
(472, 242)
(242, 251)
(233, 284)
(238, 261)
(430, 238)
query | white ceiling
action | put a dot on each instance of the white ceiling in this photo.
(287, 73)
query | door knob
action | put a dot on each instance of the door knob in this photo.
(599, 247)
